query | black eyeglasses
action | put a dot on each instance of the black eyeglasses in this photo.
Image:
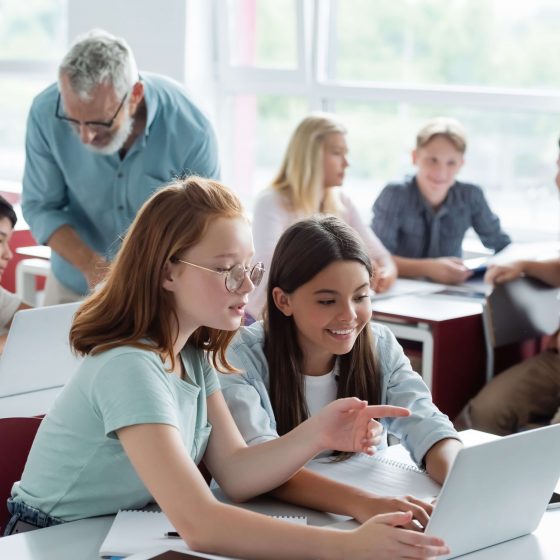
(94, 126)
(235, 276)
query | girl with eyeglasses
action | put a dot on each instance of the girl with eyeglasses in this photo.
(317, 344)
(145, 407)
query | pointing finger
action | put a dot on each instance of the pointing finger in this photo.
(382, 411)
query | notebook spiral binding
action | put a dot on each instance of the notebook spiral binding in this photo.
(398, 464)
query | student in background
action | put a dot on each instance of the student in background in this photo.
(314, 164)
(317, 343)
(145, 406)
(527, 392)
(423, 220)
(9, 303)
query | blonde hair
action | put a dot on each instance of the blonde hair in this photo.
(450, 128)
(132, 307)
(300, 178)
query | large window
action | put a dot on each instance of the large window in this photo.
(32, 38)
(387, 67)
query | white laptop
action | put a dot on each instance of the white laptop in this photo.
(37, 353)
(497, 490)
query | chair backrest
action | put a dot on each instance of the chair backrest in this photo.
(16, 438)
(519, 310)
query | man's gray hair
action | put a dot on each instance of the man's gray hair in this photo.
(96, 58)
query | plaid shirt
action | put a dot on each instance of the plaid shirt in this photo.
(408, 227)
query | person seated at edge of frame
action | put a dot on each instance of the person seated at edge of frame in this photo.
(423, 220)
(9, 303)
(145, 406)
(314, 165)
(317, 343)
(98, 143)
(528, 392)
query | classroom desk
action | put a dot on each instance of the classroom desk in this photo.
(37, 251)
(82, 539)
(451, 332)
(34, 403)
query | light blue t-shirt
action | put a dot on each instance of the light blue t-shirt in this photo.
(249, 402)
(77, 467)
(65, 183)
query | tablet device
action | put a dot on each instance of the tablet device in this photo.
(477, 266)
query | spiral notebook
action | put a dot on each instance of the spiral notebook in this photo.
(134, 531)
(380, 475)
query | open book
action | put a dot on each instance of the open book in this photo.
(380, 475)
(135, 531)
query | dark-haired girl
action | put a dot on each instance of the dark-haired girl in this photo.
(317, 343)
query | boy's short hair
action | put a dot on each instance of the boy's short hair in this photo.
(452, 129)
(7, 211)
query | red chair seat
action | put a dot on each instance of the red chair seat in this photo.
(16, 438)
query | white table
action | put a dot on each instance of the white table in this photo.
(33, 403)
(82, 539)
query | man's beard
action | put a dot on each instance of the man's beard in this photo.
(117, 141)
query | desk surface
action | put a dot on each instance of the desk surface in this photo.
(419, 300)
(40, 251)
(427, 307)
(28, 404)
(82, 539)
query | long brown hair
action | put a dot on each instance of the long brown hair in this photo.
(304, 250)
(131, 307)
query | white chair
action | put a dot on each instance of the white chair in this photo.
(27, 271)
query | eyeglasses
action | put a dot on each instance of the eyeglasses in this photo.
(235, 276)
(94, 126)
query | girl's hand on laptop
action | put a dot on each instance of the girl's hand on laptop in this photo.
(374, 505)
(348, 425)
(392, 542)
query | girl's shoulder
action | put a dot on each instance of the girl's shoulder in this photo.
(272, 205)
(248, 339)
(269, 196)
(132, 353)
(246, 352)
(121, 359)
(385, 343)
(381, 333)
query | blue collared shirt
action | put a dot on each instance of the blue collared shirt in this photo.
(65, 183)
(408, 226)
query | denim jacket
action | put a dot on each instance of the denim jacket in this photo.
(247, 396)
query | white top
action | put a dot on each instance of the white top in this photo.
(271, 217)
(9, 304)
(320, 390)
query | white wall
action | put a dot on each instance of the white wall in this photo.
(155, 30)
(170, 37)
